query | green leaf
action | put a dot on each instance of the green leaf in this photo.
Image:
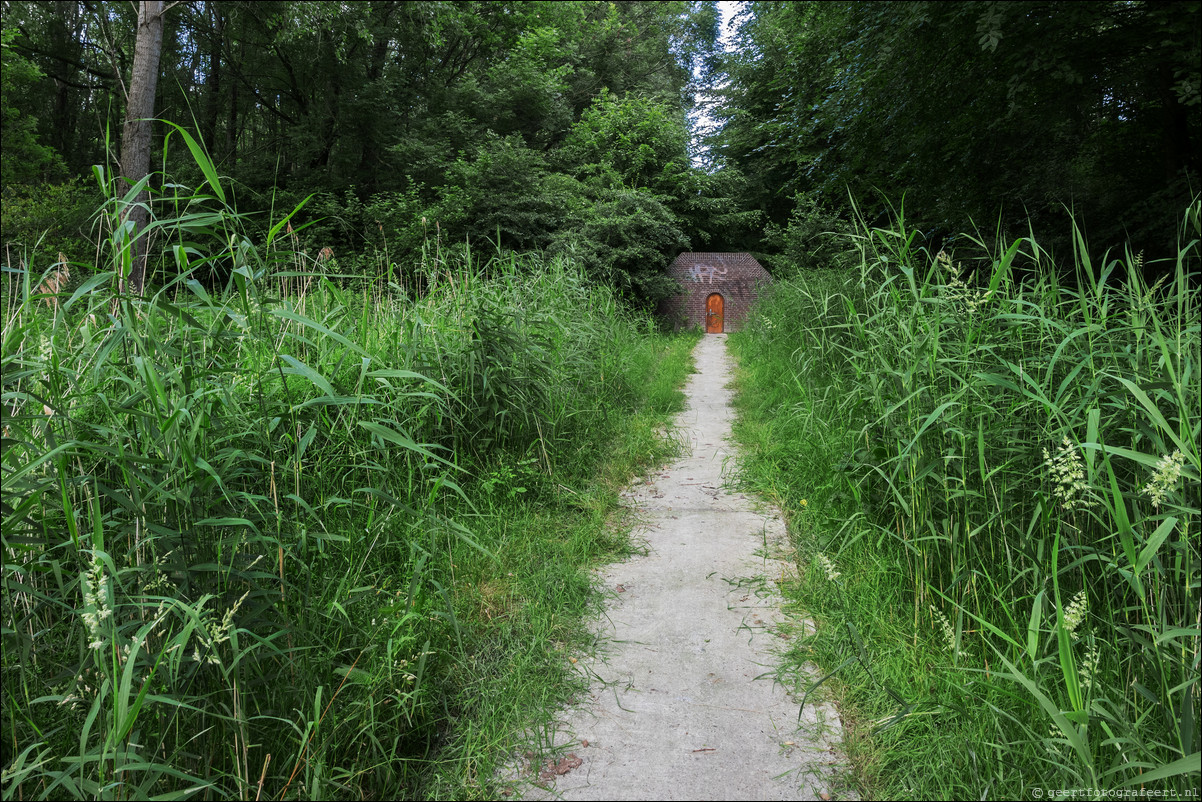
(1184, 765)
(1155, 414)
(302, 369)
(1058, 717)
(202, 161)
(390, 435)
(1068, 663)
(1158, 537)
(1033, 626)
(1118, 506)
(288, 314)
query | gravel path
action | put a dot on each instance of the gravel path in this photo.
(682, 703)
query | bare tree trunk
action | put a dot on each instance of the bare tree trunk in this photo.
(66, 36)
(137, 132)
(213, 77)
(231, 123)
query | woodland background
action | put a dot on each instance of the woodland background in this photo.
(312, 512)
(624, 132)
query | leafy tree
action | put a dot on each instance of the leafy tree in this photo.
(812, 238)
(527, 93)
(24, 158)
(489, 119)
(507, 192)
(624, 239)
(634, 141)
(973, 110)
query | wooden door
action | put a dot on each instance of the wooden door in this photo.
(713, 314)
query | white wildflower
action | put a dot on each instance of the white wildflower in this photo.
(957, 290)
(96, 600)
(1088, 663)
(828, 566)
(227, 620)
(949, 632)
(1054, 743)
(1075, 614)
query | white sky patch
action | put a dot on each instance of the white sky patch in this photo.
(728, 9)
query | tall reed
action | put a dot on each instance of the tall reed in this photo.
(253, 539)
(1018, 451)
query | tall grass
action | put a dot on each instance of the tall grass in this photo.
(310, 535)
(1004, 469)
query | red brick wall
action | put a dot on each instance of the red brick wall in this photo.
(737, 277)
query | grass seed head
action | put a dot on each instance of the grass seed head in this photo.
(949, 632)
(1076, 612)
(1088, 664)
(1067, 472)
(1168, 471)
(97, 606)
(957, 290)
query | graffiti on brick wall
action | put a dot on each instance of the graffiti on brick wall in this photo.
(705, 272)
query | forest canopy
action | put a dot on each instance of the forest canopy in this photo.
(978, 114)
(623, 131)
(527, 124)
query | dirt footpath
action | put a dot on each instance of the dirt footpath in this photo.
(682, 703)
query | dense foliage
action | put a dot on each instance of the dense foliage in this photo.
(301, 538)
(978, 113)
(308, 516)
(994, 490)
(509, 122)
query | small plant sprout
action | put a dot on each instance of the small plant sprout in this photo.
(1067, 472)
(1168, 471)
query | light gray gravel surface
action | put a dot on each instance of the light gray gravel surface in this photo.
(683, 702)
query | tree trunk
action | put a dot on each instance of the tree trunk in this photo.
(137, 131)
(213, 77)
(231, 122)
(65, 38)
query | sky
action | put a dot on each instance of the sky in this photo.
(701, 120)
(728, 9)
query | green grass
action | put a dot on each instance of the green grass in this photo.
(312, 535)
(981, 458)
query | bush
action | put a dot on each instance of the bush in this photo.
(38, 222)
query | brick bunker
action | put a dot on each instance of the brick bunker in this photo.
(719, 289)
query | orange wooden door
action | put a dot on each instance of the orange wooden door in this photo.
(713, 314)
